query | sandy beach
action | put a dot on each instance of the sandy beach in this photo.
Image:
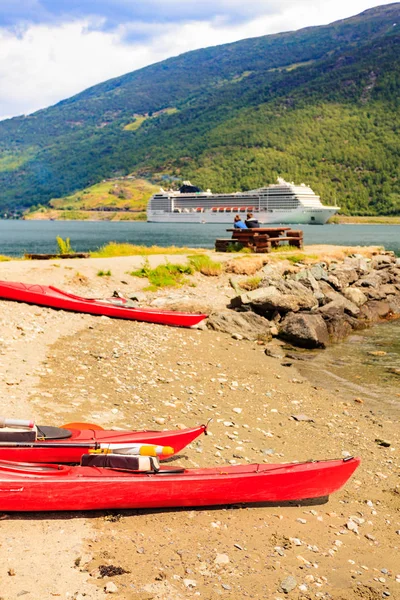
(59, 367)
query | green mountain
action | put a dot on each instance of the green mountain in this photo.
(319, 105)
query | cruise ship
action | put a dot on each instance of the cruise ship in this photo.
(282, 202)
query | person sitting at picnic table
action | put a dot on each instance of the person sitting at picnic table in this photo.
(238, 223)
(251, 221)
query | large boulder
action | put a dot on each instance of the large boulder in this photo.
(247, 325)
(342, 276)
(285, 296)
(307, 279)
(358, 262)
(375, 310)
(338, 323)
(394, 304)
(372, 279)
(305, 330)
(389, 289)
(342, 304)
(355, 295)
(383, 261)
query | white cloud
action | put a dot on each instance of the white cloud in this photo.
(46, 63)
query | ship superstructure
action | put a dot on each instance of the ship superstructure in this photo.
(282, 202)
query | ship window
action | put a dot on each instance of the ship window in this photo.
(312, 218)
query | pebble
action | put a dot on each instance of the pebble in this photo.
(189, 583)
(237, 410)
(110, 588)
(384, 443)
(351, 526)
(288, 584)
(226, 586)
(304, 418)
(222, 559)
(296, 541)
(302, 521)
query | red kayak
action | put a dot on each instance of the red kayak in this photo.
(58, 445)
(114, 307)
(32, 487)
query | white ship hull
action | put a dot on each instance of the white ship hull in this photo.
(300, 216)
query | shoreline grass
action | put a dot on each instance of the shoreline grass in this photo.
(372, 220)
(113, 250)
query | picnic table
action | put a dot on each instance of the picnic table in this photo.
(261, 239)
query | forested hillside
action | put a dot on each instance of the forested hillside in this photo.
(320, 106)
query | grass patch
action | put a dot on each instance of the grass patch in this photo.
(114, 249)
(167, 275)
(234, 247)
(285, 248)
(205, 265)
(251, 283)
(104, 273)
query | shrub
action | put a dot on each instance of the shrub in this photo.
(64, 246)
(104, 273)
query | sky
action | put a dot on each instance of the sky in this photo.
(53, 49)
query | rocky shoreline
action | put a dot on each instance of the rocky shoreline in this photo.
(314, 305)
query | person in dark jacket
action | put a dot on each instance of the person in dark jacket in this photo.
(251, 221)
(238, 223)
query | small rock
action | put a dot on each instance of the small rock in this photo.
(303, 418)
(383, 443)
(351, 526)
(189, 583)
(288, 584)
(110, 588)
(221, 559)
(226, 586)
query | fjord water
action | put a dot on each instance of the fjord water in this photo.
(366, 366)
(18, 237)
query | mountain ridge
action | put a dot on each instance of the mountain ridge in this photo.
(349, 67)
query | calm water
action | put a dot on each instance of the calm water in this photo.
(18, 237)
(366, 366)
